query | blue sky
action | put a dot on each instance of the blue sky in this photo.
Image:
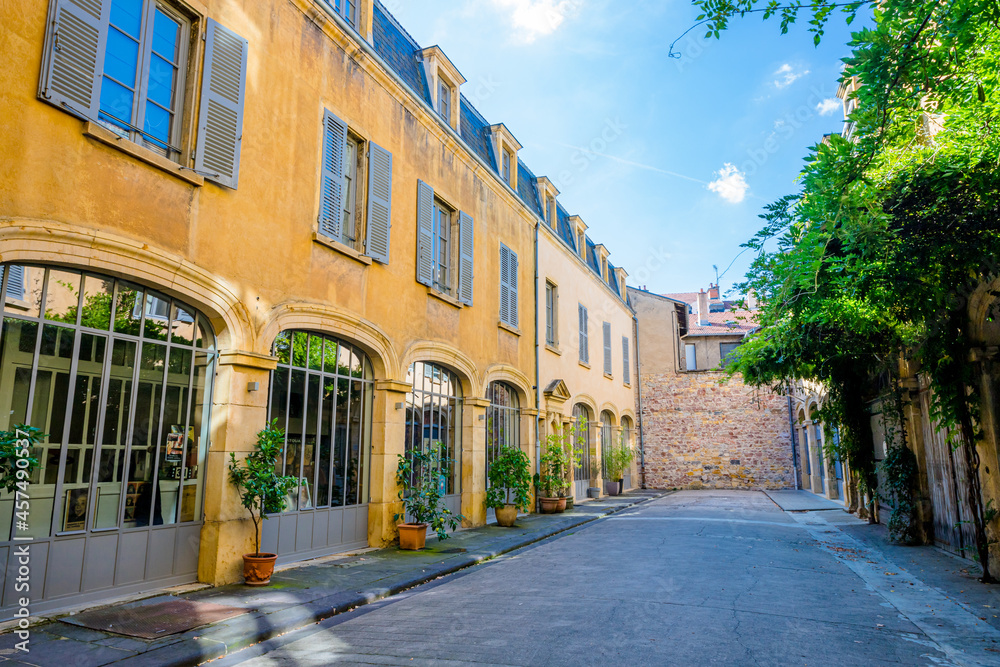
(669, 161)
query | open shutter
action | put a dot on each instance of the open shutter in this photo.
(466, 241)
(512, 287)
(331, 198)
(504, 283)
(626, 368)
(425, 234)
(607, 349)
(15, 281)
(584, 343)
(74, 60)
(379, 203)
(223, 89)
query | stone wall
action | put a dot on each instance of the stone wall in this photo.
(700, 433)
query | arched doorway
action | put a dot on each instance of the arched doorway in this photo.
(119, 377)
(607, 442)
(628, 440)
(321, 395)
(434, 414)
(581, 439)
(503, 425)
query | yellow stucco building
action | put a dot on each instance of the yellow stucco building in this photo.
(214, 214)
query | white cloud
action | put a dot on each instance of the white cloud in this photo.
(731, 184)
(787, 76)
(532, 19)
(828, 106)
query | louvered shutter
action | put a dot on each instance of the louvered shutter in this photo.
(626, 368)
(74, 61)
(15, 282)
(466, 259)
(504, 283)
(514, 321)
(379, 203)
(425, 234)
(607, 349)
(331, 197)
(223, 90)
(584, 343)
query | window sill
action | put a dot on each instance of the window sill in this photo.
(341, 248)
(609, 376)
(553, 349)
(509, 329)
(109, 138)
(627, 384)
(450, 300)
(585, 365)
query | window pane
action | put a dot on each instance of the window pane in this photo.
(315, 353)
(282, 347)
(181, 326)
(97, 295)
(24, 290)
(330, 356)
(165, 36)
(121, 60)
(128, 313)
(300, 340)
(127, 15)
(156, 124)
(157, 317)
(61, 297)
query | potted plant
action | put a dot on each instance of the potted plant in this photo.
(619, 459)
(262, 492)
(16, 462)
(551, 478)
(509, 485)
(422, 476)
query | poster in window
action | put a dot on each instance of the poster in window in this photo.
(75, 514)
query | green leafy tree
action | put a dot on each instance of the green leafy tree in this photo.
(422, 476)
(865, 274)
(262, 490)
(509, 478)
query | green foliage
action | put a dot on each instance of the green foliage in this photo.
(619, 458)
(509, 480)
(262, 490)
(553, 466)
(899, 470)
(866, 273)
(422, 476)
(16, 461)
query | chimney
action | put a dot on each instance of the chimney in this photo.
(702, 309)
(713, 292)
(751, 300)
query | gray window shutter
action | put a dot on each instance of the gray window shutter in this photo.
(15, 282)
(466, 266)
(512, 287)
(223, 90)
(379, 203)
(584, 343)
(425, 234)
(607, 349)
(626, 368)
(504, 284)
(74, 56)
(331, 195)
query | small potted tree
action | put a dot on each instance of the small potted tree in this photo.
(551, 478)
(619, 459)
(422, 476)
(262, 492)
(509, 485)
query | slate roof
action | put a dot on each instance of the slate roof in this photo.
(730, 321)
(399, 50)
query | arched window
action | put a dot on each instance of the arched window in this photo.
(503, 420)
(627, 432)
(581, 427)
(607, 441)
(321, 394)
(434, 414)
(119, 377)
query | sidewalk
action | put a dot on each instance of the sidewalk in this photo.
(298, 596)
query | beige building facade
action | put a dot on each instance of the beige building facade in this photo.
(218, 215)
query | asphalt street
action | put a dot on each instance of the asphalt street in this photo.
(695, 578)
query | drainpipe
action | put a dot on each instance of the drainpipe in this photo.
(638, 389)
(791, 431)
(538, 384)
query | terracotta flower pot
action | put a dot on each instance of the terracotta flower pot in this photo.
(612, 488)
(412, 536)
(258, 568)
(506, 515)
(549, 505)
(569, 502)
(561, 506)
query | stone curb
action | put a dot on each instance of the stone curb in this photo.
(197, 650)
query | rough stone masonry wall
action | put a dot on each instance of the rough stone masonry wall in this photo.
(700, 434)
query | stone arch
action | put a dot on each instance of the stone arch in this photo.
(339, 323)
(588, 401)
(513, 377)
(445, 355)
(57, 244)
(627, 412)
(613, 411)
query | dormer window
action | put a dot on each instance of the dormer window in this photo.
(505, 148)
(444, 81)
(579, 228)
(347, 9)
